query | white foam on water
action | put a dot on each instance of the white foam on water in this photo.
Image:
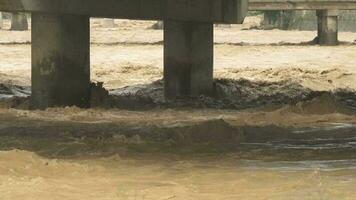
(288, 166)
(333, 126)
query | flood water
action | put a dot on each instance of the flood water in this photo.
(74, 154)
(322, 166)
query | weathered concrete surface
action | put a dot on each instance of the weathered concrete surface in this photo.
(60, 61)
(19, 22)
(188, 58)
(222, 11)
(302, 5)
(327, 27)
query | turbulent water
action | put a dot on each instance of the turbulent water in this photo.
(295, 141)
(75, 154)
(289, 163)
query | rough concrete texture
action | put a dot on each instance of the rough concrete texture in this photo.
(188, 58)
(60, 61)
(220, 11)
(327, 27)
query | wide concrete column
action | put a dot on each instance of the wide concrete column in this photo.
(188, 58)
(60, 61)
(328, 27)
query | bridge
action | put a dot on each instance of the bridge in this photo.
(61, 42)
(61, 47)
(327, 13)
(302, 5)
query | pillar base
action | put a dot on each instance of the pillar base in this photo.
(327, 27)
(188, 58)
(60, 61)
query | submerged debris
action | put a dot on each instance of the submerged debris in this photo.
(228, 94)
(8, 91)
(98, 94)
(237, 94)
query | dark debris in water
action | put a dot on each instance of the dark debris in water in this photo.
(246, 94)
(8, 91)
(14, 96)
(228, 94)
(240, 94)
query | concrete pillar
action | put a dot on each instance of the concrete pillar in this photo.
(108, 23)
(19, 22)
(327, 27)
(188, 58)
(1, 22)
(60, 61)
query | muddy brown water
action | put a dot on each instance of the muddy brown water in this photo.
(84, 158)
(207, 160)
(304, 150)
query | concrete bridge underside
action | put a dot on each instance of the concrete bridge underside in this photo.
(327, 13)
(61, 50)
(61, 43)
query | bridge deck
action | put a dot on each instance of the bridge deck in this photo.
(221, 11)
(302, 4)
